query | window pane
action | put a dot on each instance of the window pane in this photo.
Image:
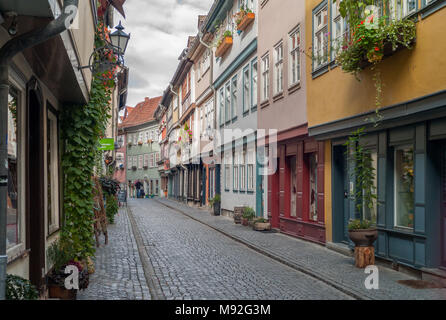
(313, 186)
(370, 213)
(293, 186)
(404, 187)
(254, 84)
(234, 98)
(12, 218)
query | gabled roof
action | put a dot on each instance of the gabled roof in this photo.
(143, 112)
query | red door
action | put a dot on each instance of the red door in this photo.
(273, 199)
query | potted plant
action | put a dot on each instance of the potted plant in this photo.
(362, 233)
(224, 43)
(18, 288)
(149, 141)
(62, 257)
(248, 215)
(216, 204)
(244, 18)
(261, 224)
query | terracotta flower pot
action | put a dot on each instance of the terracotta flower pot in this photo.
(58, 292)
(262, 226)
(363, 237)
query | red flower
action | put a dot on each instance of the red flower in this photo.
(376, 49)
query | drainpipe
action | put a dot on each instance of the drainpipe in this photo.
(7, 53)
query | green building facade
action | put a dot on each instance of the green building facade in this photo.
(143, 152)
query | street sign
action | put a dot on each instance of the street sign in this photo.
(107, 144)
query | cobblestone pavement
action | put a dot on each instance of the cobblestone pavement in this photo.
(193, 261)
(119, 272)
(321, 262)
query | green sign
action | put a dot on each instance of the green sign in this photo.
(107, 144)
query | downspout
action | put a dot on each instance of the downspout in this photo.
(7, 53)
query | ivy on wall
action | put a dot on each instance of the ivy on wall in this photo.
(82, 128)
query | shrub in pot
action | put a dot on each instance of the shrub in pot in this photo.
(362, 233)
(62, 257)
(216, 204)
(248, 215)
(261, 224)
(18, 288)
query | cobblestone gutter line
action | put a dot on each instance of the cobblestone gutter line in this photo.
(351, 292)
(154, 286)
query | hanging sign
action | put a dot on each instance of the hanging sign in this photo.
(107, 144)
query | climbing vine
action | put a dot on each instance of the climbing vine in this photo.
(371, 36)
(82, 128)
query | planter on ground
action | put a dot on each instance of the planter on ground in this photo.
(262, 226)
(364, 250)
(238, 213)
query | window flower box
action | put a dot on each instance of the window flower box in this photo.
(149, 141)
(224, 44)
(130, 144)
(140, 143)
(245, 21)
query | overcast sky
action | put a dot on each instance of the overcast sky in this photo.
(159, 31)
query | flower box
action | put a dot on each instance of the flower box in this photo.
(246, 21)
(140, 143)
(225, 44)
(386, 52)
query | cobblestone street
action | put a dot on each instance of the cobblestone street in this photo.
(119, 273)
(191, 261)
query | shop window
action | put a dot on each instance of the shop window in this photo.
(404, 186)
(13, 196)
(371, 213)
(235, 170)
(293, 185)
(312, 166)
(52, 173)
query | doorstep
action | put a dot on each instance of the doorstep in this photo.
(340, 248)
(434, 275)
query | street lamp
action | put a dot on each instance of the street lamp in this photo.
(118, 45)
(119, 40)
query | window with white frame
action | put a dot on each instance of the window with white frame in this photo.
(294, 62)
(404, 186)
(13, 196)
(402, 8)
(152, 160)
(228, 102)
(243, 169)
(146, 160)
(234, 97)
(129, 162)
(141, 137)
(227, 176)
(205, 62)
(278, 68)
(52, 173)
(247, 4)
(235, 170)
(157, 157)
(222, 106)
(338, 27)
(254, 83)
(246, 89)
(140, 161)
(147, 136)
(320, 37)
(265, 77)
(135, 139)
(251, 163)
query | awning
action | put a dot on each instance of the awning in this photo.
(118, 4)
